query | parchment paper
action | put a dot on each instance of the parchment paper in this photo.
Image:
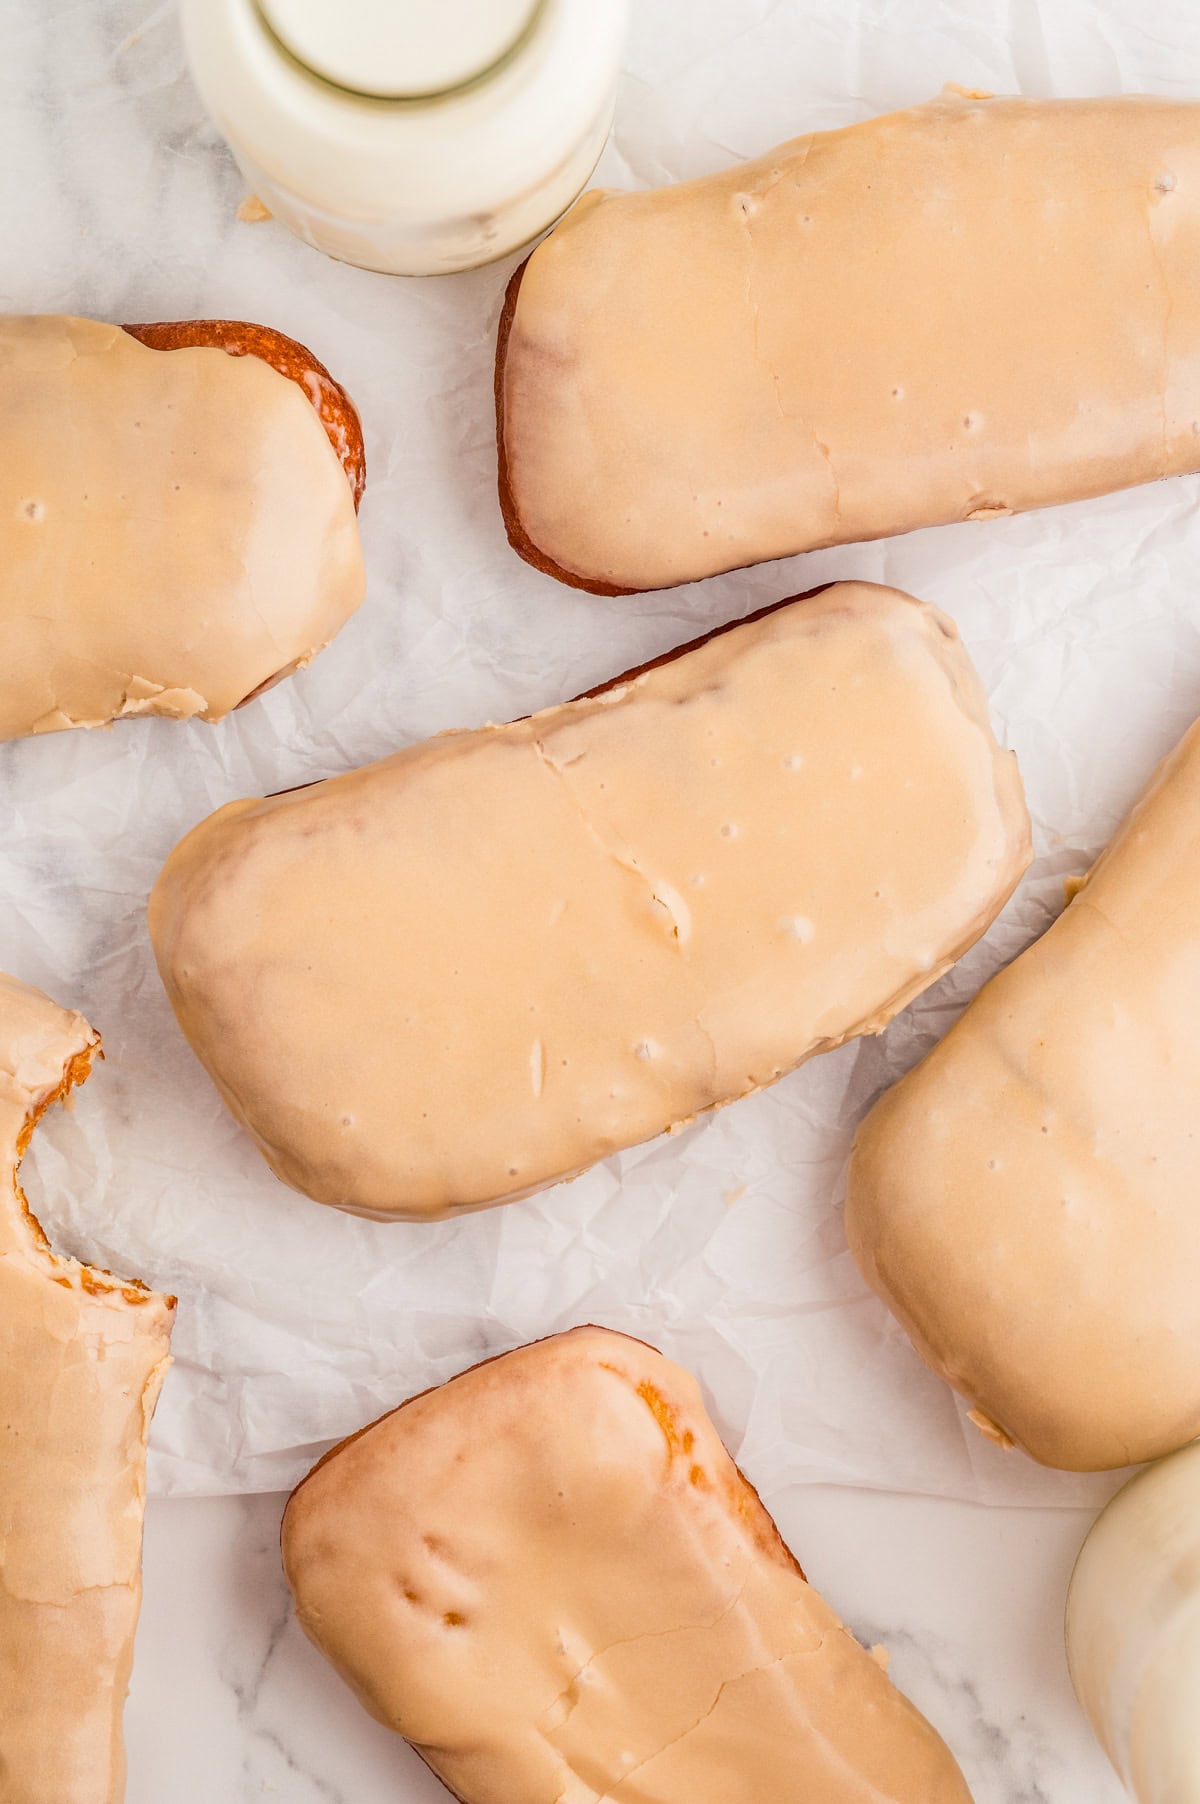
(724, 1246)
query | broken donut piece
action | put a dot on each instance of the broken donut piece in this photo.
(82, 1358)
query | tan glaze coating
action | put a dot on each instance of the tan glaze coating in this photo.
(82, 1358)
(962, 310)
(241, 338)
(551, 1577)
(475, 968)
(1026, 1199)
(176, 527)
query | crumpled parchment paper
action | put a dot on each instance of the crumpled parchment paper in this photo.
(724, 1246)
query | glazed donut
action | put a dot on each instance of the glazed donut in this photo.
(177, 517)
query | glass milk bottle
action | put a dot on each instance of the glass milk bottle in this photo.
(1133, 1630)
(412, 136)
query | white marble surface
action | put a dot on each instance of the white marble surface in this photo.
(230, 1702)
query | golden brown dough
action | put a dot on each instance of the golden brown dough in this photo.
(551, 1577)
(177, 517)
(1026, 1199)
(961, 310)
(475, 968)
(82, 1359)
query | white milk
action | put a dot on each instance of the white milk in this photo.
(412, 136)
(1133, 1630)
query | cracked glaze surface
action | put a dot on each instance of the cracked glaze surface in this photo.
(472, 969)
(175, 527)
(834, 342)
(82, 1358)
(1025, 1200)
(549, 1575)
